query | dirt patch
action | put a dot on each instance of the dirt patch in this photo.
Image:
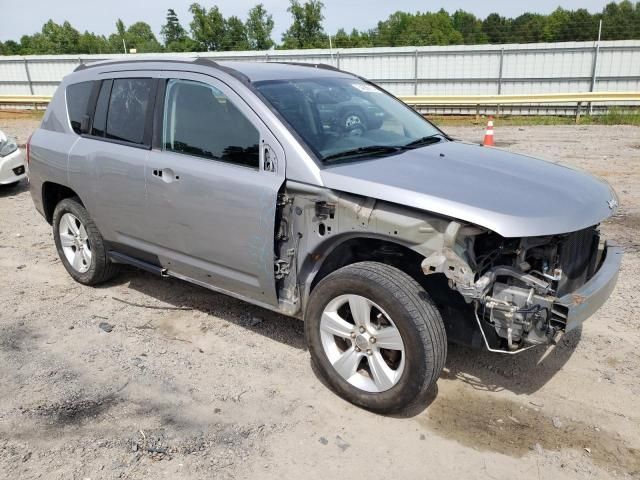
(14, 338)
(221, 389)
(75, 411)
(627, 230)
(631, 221)
(503, 426)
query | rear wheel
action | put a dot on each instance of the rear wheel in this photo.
(80, 244)
(375, 336)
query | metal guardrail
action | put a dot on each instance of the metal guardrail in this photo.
(417, 101)
(520, 99)
(612, 65)
(24, 99)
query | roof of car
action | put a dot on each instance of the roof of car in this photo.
(252, 71)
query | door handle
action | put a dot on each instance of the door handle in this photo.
(165, 174)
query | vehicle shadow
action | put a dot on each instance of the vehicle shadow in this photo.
(523, 373)
(13, 190)
(177, 293)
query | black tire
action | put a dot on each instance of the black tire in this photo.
(415, 316)
(101, 268)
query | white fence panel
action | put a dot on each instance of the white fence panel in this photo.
(451, 70)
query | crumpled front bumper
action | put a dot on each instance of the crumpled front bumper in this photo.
(583, 302)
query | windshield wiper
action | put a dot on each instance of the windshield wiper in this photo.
(421, 142)
(368, 150)
(384, 149)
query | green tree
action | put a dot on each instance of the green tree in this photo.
(355, 39)
(92, 43)
(497, 28)
(138, 36)
(306, 28)
(207, 27)
(469, 26)
(621, 21)
(528, 28)
(556, 25)
(116, 39)
(403, 28)
(174, 35)
(10, 47)
(211, 31)
(392, 29)
(60, 38)
(52, 39)
(361, 39)
(581, 26)
(570, 25)
(259, 27)
(141, 37)
(342, 39)
(235, 35)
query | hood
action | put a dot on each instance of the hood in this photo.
(510, 194)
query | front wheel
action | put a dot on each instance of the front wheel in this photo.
(375, 336)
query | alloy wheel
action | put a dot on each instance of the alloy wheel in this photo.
(75, 242)
(362, 343)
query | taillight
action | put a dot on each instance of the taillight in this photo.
(28, 149)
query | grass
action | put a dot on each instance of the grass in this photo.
(18, 114)
(615, 116)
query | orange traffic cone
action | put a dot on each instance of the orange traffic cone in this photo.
(488, 134)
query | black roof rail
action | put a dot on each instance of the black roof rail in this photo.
(106, 63)
(207, 62)
(203, 61)
(323, 66)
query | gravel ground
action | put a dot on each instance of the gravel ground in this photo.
(152, 378)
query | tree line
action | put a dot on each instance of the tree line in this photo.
(210, 30)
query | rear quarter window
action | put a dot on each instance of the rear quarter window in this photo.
(78, 95)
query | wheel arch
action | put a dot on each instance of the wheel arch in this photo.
(52, 194)
(345, 249)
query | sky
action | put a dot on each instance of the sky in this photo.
(20, 17)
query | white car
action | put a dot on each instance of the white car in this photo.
(12, 166)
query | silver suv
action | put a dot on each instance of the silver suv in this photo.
(387, 241)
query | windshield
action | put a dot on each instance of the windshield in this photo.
(344, 118)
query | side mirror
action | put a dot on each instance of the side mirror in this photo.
(85, 124)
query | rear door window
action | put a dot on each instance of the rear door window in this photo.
(78, 95)
(129, 105)
(202, 121)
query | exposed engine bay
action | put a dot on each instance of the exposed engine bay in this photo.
(508, 293)
(513, 283)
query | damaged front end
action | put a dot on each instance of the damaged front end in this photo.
(525, 291)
